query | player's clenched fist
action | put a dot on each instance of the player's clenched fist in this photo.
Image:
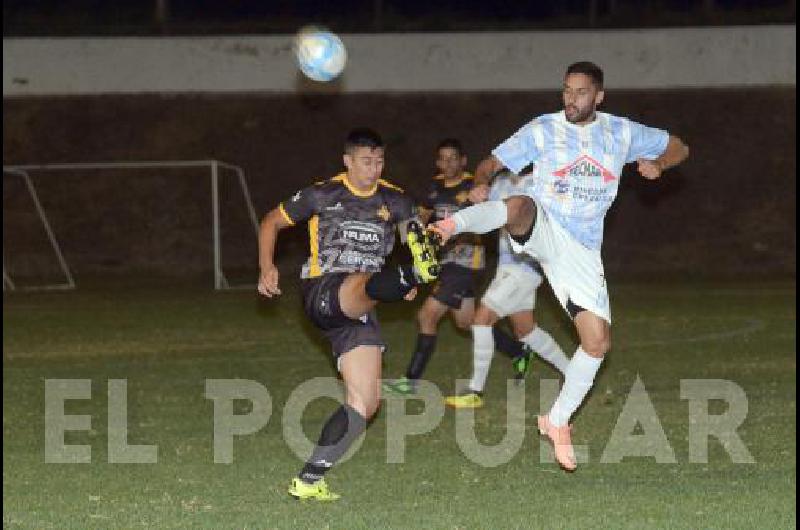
(650, 169)
(268, 282)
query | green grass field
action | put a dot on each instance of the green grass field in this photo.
(167, 340)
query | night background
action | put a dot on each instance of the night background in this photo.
(701, 264)
(201, 17)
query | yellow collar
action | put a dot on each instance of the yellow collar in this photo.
(342, 177)
(464, 176)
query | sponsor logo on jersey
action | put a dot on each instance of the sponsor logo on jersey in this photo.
(335, 208)
(561, 187)
(361, 233)
(383, 213)
(585, 166)
(355, 235)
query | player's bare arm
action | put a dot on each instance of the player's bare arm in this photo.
(675, 153)
(484, 173)
(272, 223)
(486, 170)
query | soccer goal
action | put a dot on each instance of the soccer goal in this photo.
(28, 194)
(214, 169)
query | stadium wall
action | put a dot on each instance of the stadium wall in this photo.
(635, 59)
(728, 212)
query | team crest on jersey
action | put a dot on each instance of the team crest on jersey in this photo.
(462, 196)
(585, 166)
(383, 213)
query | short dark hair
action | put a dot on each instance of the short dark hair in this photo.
(362, 137)
(451, 143)
(587, 68)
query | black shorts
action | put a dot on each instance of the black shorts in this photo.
(455, 283)
(321, 304)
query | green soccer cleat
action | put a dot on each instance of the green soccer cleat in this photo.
(467, 400)
(400, 387)
(318, 491)
(522, 364)
(424, 246)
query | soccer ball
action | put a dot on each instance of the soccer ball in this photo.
(320, 54)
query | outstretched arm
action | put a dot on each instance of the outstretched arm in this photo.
(272, 223)
(675, 153)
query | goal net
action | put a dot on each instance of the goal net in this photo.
(175, 217)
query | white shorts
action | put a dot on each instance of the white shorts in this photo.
(512, 290)
(574, 271)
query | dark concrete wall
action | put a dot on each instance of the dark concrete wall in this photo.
(728, 211)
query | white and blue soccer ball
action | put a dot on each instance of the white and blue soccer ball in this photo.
(320, 54)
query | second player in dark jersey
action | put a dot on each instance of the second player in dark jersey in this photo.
(462, 260)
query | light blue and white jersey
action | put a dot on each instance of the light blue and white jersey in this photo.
(577, 167)
(507, 185)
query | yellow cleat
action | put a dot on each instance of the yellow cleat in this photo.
(423, 246)
(318, 491)
(469, 400)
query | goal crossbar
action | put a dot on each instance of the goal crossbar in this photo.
(220, 281)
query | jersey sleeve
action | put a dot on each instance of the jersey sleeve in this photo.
(300, 206)
(520, 149)
(646, 142)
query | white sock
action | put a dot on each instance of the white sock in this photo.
(482, 352)
(547, 348)
(578, 379)
(481, 218)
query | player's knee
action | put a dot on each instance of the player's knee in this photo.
(597, 346)
(522, 329)
(464, 322)
(521, 211)
(484, 317)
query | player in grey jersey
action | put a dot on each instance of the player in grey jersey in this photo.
(351, 219)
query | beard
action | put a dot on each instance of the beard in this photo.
(576, 115)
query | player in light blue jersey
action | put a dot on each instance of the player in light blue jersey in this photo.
(511, 294)
(578, 155)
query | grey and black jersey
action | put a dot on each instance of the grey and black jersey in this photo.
(464, 250)
(348, 231)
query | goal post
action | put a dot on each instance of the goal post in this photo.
(8, 282)
(220, 281)
(214, 168)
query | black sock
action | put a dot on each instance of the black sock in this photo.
(422, 354)
(339, 432)
(507, 344)
(391, 284)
